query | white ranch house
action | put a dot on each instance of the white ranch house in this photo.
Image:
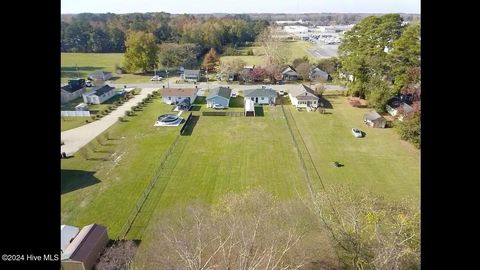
(99, 95)
(261, 96)
(303, 97)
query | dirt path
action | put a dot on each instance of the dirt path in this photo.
(76, 138)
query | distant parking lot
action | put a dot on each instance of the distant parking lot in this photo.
(321, 50)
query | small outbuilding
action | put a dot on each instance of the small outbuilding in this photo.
(249, 107)
(85, 249)
(99, 95)
(375, 120)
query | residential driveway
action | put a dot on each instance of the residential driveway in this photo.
(76, 138)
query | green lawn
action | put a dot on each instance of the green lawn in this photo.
(222, 154)
(380, 161)
(89, 62)
(291, 49)
(67, 123)
(105, 192)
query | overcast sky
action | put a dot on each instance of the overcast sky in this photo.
(241, 6)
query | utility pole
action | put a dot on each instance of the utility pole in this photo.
(168, 81)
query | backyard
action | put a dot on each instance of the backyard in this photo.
(221, 154)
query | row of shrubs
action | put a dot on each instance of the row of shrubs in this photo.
(140, 106)
(111, 108)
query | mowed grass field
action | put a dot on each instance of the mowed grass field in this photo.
(89, 62)
(290, 49)
(105, 192)
(222, 154)
(379, 162)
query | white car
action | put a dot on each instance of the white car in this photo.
(282, 93)
(234, 94)
(156, 78)
(357, 132)
(218, 106)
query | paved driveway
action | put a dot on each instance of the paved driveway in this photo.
(76, 138)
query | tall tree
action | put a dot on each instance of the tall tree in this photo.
(211, 60)
(303, 70)
(362, 52)
(141, 53)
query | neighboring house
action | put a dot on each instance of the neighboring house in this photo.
(397, 108)
(99, 94)
(100, 75)
(249, 107)
(375, 120)
(219, 95)
(191, 75)
(318, 74)
(74, 89)
(261, 96)
(303, 97)
(85, 249)
(245, 73)
(289, 74)
(177, 95)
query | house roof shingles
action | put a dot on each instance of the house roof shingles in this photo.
(224, 92)
(262, 92)
(373, 115)
(303, 93)
(102, 90)
(178, 92)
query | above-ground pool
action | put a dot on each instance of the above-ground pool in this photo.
(168, 120)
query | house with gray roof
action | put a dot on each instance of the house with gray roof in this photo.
(303, 97)
(99, 94)
(317, 74)
(219, 95)
(74, 89)
(191, 75)
(399, 109)
(261, 95)
(100, 75)
(289, 74)
(375, 120)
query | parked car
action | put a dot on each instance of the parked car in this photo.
(156, 78)
(357, 132)
(234, 94)
(282, 93)
(88, 83)
(218, 107)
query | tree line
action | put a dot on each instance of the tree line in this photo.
(383, 56)
(102, 33)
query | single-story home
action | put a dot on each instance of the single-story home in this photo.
(249, 107)
(191, 75)
(100, 75)
(85, 249)
(303, 97)
(67, 234)
(74, 89)
(375, 120)
(261, 96)
(289, 74)
(99, 94)
(318, 74)
(219, 95)
(397, 108)
(177, 95)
